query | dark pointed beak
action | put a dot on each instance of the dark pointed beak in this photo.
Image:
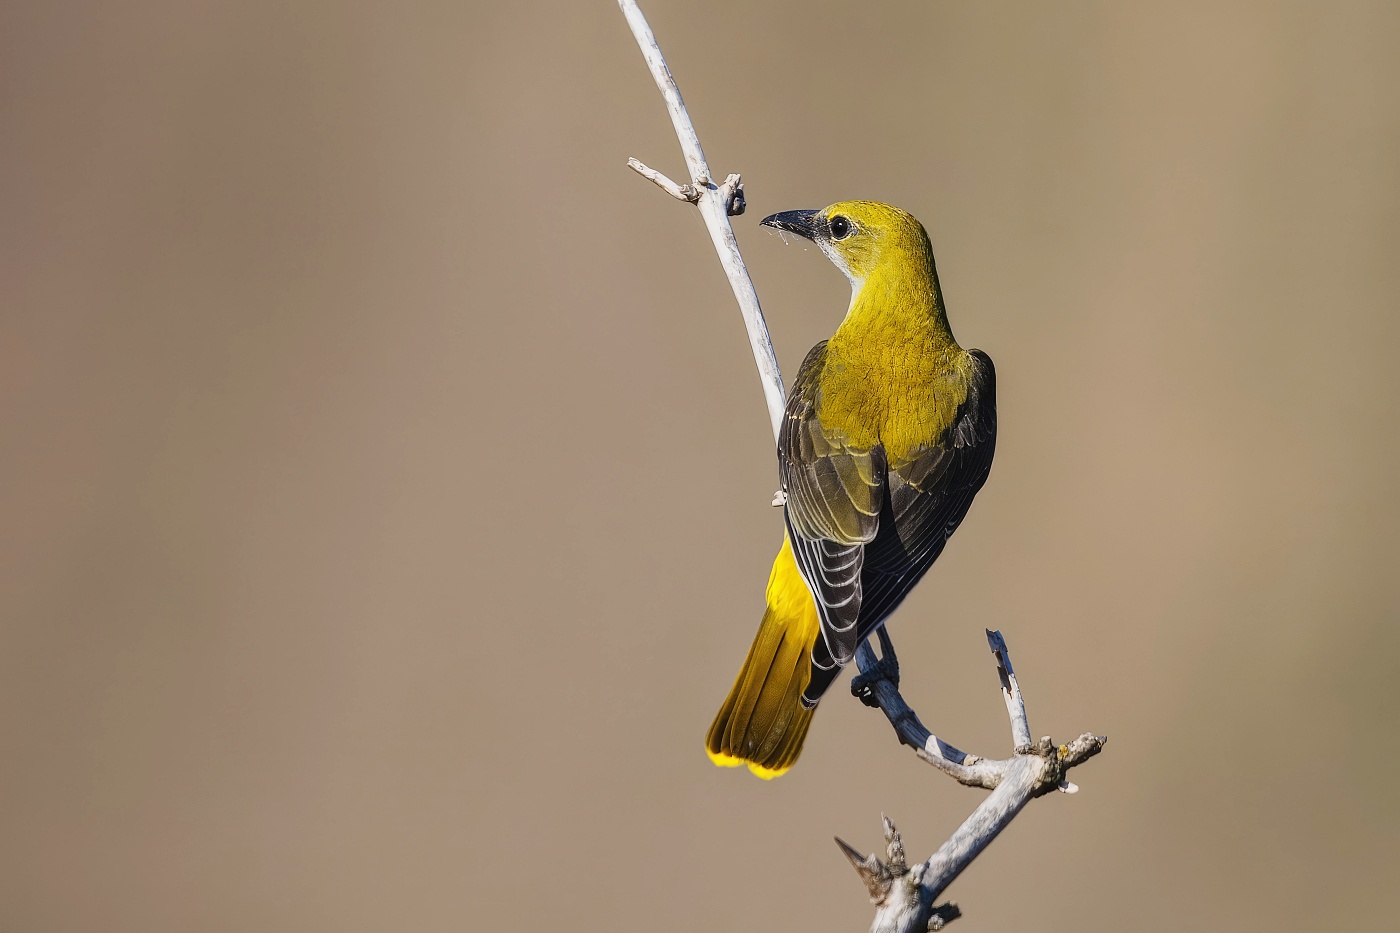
(802, 223)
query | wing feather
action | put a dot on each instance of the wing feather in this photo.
(920, 501)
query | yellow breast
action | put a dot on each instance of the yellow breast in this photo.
(894, 375)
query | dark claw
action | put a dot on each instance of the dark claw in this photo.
(863, 685)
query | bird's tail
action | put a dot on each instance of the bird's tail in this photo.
(762, 722)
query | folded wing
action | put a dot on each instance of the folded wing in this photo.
(864, 531)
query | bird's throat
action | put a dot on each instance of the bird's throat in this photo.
(893, 374)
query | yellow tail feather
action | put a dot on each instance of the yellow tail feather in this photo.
(762, 722)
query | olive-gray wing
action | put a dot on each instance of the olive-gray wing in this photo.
(927, 496)
(835, 491)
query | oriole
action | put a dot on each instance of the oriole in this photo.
(889, 433)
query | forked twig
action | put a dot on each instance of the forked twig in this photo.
(904, 895)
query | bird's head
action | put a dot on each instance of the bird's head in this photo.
(862, 237)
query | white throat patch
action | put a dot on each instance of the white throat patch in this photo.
(839, 262)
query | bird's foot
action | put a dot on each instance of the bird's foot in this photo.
(863, 685)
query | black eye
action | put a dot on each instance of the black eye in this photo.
(840, 227)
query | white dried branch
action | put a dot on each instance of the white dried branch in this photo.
(905, 898)
(1011, 693)
(679, 192)
(716, 203)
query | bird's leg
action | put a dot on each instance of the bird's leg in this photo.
(886, 668)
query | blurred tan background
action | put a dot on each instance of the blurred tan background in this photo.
(385, 475)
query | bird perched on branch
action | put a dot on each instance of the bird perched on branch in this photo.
(888, 435)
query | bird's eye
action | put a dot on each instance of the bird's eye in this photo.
(840, 227)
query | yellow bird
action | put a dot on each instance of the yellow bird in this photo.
(889, 433)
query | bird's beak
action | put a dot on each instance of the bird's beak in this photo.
(802, 223)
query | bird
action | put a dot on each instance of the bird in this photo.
(887, 436)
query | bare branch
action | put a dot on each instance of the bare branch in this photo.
(881, 678)
(679, 192)
(907, 900)
(717, 203)
(1011, 693)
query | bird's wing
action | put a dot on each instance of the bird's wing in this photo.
(834, 495)
(929, 493)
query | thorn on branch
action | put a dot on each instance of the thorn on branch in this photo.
(879, 876)
(894, 847)
(876, 875)
(893, 885)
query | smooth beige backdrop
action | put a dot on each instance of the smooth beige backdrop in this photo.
(385, 477)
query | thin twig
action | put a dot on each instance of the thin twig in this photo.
(679, 192)
(716, 203)
(962, 767)
(1011, 693)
